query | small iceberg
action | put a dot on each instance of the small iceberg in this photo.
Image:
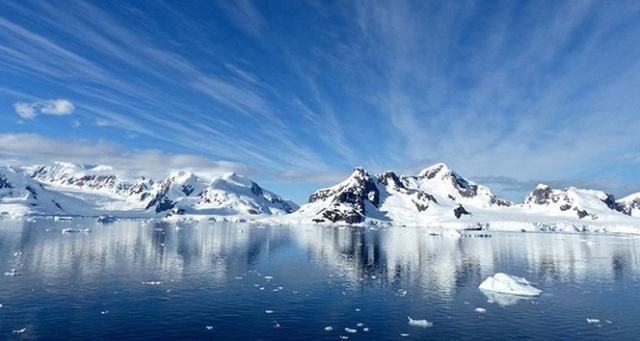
(12, 273)
(419, 323)
(511, 285)
(106, 219)
(593, 321)
(481, 310)
(328, 329)
(19, 331)
(350, 330)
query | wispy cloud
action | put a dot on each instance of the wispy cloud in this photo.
(245, 15)
(55, 107)
(536, 90)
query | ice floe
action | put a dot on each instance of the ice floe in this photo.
(350, 330)
(481, 310)
(268, 311)
(152, 282)
(593, 321)
(328, 329)
(419, 323)
(19, 331)
(511, 285)
(12, 273)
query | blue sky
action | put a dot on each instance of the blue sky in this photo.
(296, 93)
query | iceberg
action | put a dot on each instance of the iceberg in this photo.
(511, 285)
(419, 323)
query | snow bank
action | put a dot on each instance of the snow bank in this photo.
(511, 285)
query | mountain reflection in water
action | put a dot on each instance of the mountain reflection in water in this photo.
(231, 274)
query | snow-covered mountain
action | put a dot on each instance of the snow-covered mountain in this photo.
(570, 202)
(440, 197)
(436, 192)
(630, 205)
(83, 190)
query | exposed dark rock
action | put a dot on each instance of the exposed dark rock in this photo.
(187, 189)
(431, 173)
(459, 211)
(581, 213)
(256, 190)
(32, 192)
(336, 215)
(541, 195)
(565, 207)
(501, 202)
(391, 179)
(179, 211)
(4, 183)
(165, 205)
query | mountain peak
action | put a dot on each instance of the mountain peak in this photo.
(432, 171)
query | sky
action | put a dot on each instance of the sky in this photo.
(295, 94)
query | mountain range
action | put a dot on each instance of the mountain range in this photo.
(87, 190)
(437, 196)
(440, 197)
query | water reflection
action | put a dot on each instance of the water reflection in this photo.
(391, 257)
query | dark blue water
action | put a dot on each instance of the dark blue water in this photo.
(148, 281)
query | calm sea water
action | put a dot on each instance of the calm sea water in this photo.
(152, 281)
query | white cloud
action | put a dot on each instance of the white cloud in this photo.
(25, 110)
(56, 107)
(37, 149)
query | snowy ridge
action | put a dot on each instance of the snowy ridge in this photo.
(87, 190)
(438, 197)
(630, 205)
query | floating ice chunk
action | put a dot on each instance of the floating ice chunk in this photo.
(12, 273)
(365, 329)
(342, 337)
(1, 305)
(593, 321)
(404, 334)
(152, 282)
(328, 329)
(419, 323)
(511, 285)
(351, 330)
(268, 278)
(481, 310)
(357, 309)
(104, 312)
(276, 325)
(268, 311)
(360, 324)
(238, 278)
(19, 331)
(209, 327)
